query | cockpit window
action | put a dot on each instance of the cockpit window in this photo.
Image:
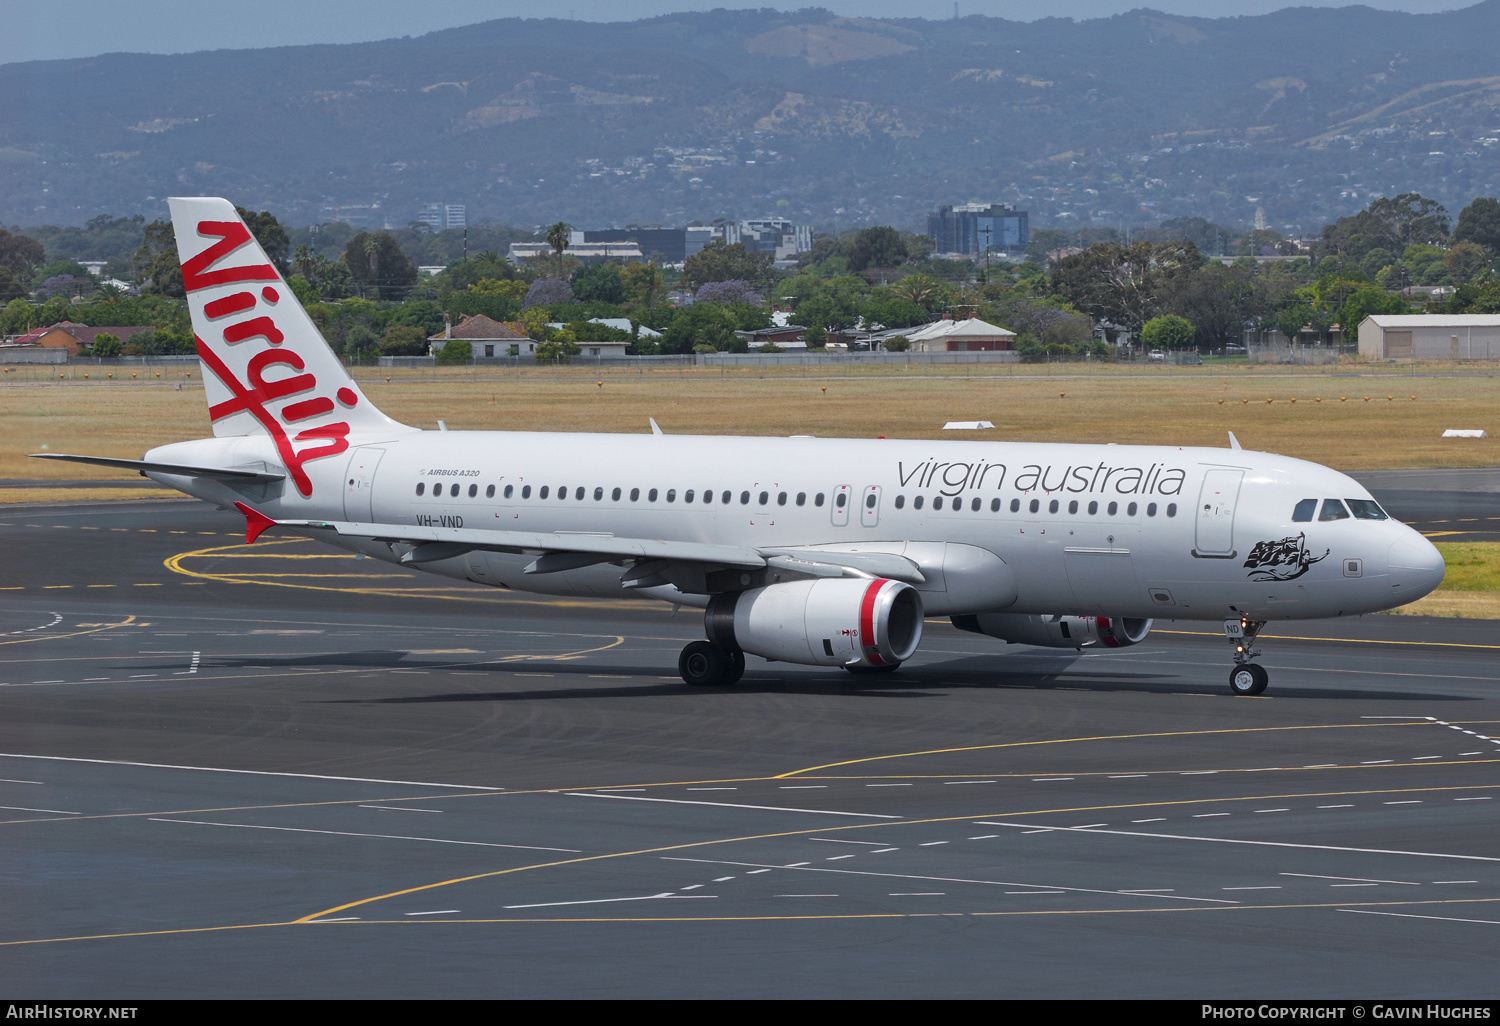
(1333, 509)
(1366, 509)
(1304, 512)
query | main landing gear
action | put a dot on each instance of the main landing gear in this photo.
(1247, 678)
(704, 664)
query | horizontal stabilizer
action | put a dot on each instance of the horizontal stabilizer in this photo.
(142, 466)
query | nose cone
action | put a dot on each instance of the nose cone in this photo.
(1416, 567)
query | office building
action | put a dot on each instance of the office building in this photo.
(973, 229)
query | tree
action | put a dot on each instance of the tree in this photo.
(1466, 259)
(923, 290)
(559, 348)
(643, 282)
(718, 261)
(157, 267)
(1366, 301)
(557, 238)
(19, 253)
(1411, 218)
(1043, 242)
(106, 345)
(877, 247)
(547, 292)
(455, 351)
(378, 265)
(270, 234)
(897, 344)
(360, 342)
(1479, 223)
(600, 283)
(1123, 285)
(1168, 332)
(404, 340)
(728, 292)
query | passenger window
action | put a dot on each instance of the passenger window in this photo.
(781, 498)
(1130, 510)
(1093, 508)
(526, 491)
(994, 505)
(671, 494)
(489, 493)
(578, 494)
(510, 490)
(599, 494)
(801, 499)
(1036, 504)
(745, 499)
(651, 495)
(635, 495)
(1113, 506)
(615, 495)
(870, 501)
(1171, 509)
(421, 487)
(975, 504)
(1015, 505)
(708, 495)
(765, 497)
(543, 493)
(842, 498)
(562, 493)
(687, 496)
(1303, 513)
(1052, 506)
(1151, 509)
(1333, 509)
(1073, 507)
(917, 502)
(725, 497)
(937, 501)
(437, 490)
(1366, 509)
(818, 499)
(473, 490)
(900, 502)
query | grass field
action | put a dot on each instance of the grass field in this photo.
(1470, 588)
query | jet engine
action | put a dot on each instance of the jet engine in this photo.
(851, 622)
(1056, 631)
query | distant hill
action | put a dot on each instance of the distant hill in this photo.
(840, 121)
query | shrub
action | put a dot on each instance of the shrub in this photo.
(546, 291)
(454, 352)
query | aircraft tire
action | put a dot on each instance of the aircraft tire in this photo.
(736, 667)
(703, 665)
(1248, 679)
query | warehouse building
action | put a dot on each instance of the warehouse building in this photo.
(1430, 337)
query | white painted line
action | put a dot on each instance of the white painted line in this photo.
(840, 840)
(1272, 810)
(968, 782)
(1322, 765)
(727, 805)
(1421, 758)
(341, 919)
(1409, 801)
(984, 837)
(807, 895)
(1208, 815)
(1027, 828)
(916, 894)
(881, 851)
(1376, 762)
(609, 901)
(713, 789)
(398, 808)
(23, 808)
(1481, 798)
(1036, 892)
(1455, 881)
(1356, 879)
(1335, 806)
(1125, 776)
(753, 872)
(804, 787)
(249, 773)
(723, 879)
(5, 781)
(1197, 773)
(1353, 885)
(1044, 780)
(1153, 819)
(346, 833)
(1148, 890)
(439, 912)
(1470, 753)
(888, 785)
(1408, 915)
(691, 887)
(929, 844)
(790, 865)
(1263, 888)
(835, 858)
(1088, 826)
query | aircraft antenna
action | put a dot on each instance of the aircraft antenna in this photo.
(1234, 443)
(655, 429)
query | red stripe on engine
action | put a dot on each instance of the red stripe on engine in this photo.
(867, 621)
(1107, 639)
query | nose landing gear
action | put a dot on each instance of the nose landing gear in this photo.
(1247, 678)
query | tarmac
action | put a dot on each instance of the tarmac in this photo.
(286, 772)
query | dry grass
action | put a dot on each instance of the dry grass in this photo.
(1471, 586)
(1131, 405)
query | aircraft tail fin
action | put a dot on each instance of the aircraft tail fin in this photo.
(266, 367)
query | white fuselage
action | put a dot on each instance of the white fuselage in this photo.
(1125, 531)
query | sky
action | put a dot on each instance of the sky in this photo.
(45, 29)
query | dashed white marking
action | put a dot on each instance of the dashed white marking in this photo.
(880, 851)
(1272, 810)
(753, 872)
(23, 808)
(1353, 879)
(840, 840)
(804, 787)
(723, 879)
(192, 667)
(835, 858)
(1268, 887)
(1376, 762)
(1408, 915)
(929, 844)
(5, 781)
(1153, 819)
(1197, 773)
(1455, 881)
(968, 782)
(1408, 801)
(984, 837)
(607, 901)
(1335, 806)
(724, 805)
(1480, 798)
(916, 894)
(807, 895)
(340, 919)
(888, 785)
(713, 789)
(1045, 780)
(347, 833)
(1036, 892)
(1208, 815)
(691, 887)
(1422, 758)
(437, 912)
(1125, 776)
(251, 773)
(398, 808)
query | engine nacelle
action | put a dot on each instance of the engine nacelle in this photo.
(825, 622)
(1057, 631)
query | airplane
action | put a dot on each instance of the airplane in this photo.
(815, 551)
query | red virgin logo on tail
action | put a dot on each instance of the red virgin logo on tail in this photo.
(253, 397)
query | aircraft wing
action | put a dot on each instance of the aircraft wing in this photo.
(560, 551)
(143, 466)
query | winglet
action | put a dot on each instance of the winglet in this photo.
(655, 430)
(1234, 443)
(256, 522)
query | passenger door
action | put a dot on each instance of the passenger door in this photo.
(1216, 502)
(359, 484)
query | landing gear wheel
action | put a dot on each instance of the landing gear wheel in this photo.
(1248, 679)
(860, 670)
(704, 665)
(735, 668)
